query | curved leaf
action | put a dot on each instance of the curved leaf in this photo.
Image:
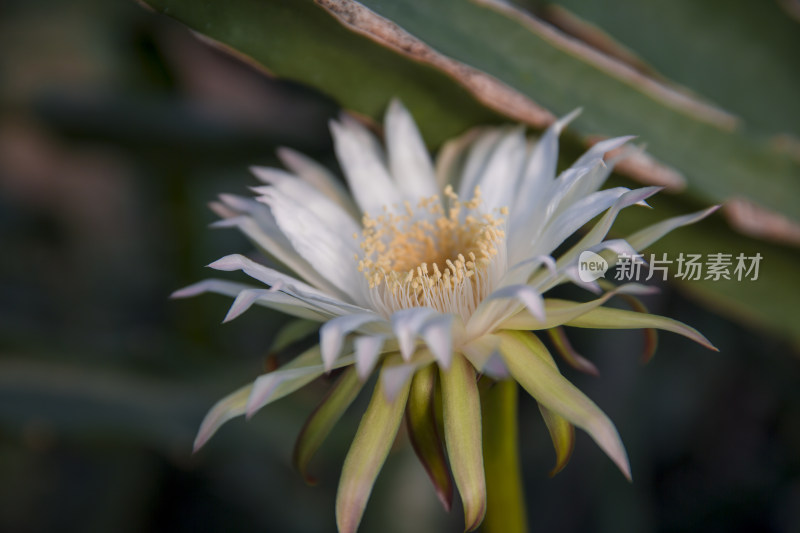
(324, 417)
(366, 456)
(462, 432)
(530, 364)
(424, 433)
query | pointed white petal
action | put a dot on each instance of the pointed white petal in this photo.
(599, 149)
(229, 407)
(438, 335)
(218, 286)
(396, 372)
(478, 157)
(498, 181)
(407, 324)
(287, 284)
(258, 224)
(649, 235)
(326, 249)
(362, 161)
(574, 217)
(274, 300)
(527, 295)
(540, 169)
(452, 158)
(409, 161)
(368, 348)
(333, 332)
(302, 370)
(328, 211)
(319, 177)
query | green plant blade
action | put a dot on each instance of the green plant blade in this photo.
(462, 431)
(610, 318)
(530, 364)
(324, 418)
(367, 453)
(424, 433)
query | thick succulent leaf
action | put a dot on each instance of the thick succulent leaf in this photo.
(366, 456)
(726, 49)
(714, 154)
(610, 318)
(530, 364)
(435, 57)
(324, 418)
(505, 510)
(424, 433)
(462, 430)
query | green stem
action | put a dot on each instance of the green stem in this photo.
(505, 511)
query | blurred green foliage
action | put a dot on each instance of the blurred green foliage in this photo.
(117, 127)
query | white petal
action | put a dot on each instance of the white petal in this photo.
(599, 149)
(452, 158)
(525, 294)
(258, 224)
(229, 407)
(498, 180)
(330, 253)
(368, 348)
(299, 372)
(287, 284)
(438, 335)
(362, 161)
(649, 235)
(331, 213)
(396, 372)
(574, 217)
(477, 159)
(276, 300)
(540, 169)
(408, 158)
(395, 377)
(218, 286)
(407, 324)
(332, 334)
(319, 177)
(600, 230)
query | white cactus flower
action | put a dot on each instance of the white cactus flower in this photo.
(424, 269)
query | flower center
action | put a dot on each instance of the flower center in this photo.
(430, 257)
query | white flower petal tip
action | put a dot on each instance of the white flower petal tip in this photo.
(368, 348)
(564, 121)
(439, 338)
(526, 295)
(188, 292)
(333, 332)
(394, 379)
(242, 303)
(407, 325)
(495, 367)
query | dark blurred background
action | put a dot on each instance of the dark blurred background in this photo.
(117, 127)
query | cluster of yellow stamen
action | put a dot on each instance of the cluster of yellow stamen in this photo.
(431, 256)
